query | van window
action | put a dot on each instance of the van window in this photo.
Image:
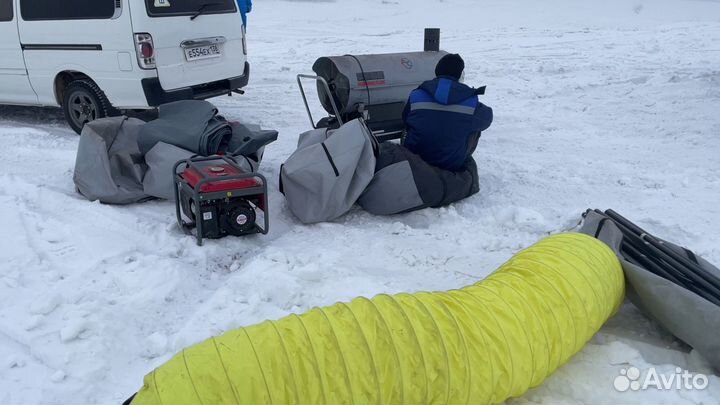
(168, 8)
(33, 10)
(6, 10)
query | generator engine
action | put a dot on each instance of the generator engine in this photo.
(215, 197)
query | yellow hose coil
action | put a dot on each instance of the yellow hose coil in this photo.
(479, 345)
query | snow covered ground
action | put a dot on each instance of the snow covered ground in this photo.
(597, 104)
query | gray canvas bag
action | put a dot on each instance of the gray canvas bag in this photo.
(404, 182)
(248, 142)
(686, 315)
(159, 179)
(325, 176)
(193, 125)
(109, 166)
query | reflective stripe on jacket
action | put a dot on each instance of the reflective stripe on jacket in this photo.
(444, 119)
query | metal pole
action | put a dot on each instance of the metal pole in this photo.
(665, 262)
(671, 256)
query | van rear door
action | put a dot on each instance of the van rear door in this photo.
(195, 41)
(14, 82)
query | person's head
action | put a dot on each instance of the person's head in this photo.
(451, 65)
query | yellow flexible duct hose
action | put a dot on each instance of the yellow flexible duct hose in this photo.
(479, 345)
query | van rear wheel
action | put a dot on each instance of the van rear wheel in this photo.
(84, 102)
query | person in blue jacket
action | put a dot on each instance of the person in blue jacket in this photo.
(444, 117)
(245, 6)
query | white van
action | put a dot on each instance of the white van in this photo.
(94, 57)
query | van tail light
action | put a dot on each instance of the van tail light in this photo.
(145, 50)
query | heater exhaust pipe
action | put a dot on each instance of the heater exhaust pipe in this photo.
(432, 39)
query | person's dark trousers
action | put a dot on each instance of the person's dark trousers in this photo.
(459, 185)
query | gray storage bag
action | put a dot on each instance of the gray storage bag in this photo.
(248, 143)
(159, 180)
(193, 125)
(404, 182)
(109, 166)
(325, 176)
(689, 317)
(250, 140)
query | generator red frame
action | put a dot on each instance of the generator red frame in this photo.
(207, 189)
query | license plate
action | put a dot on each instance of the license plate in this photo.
(202, 52)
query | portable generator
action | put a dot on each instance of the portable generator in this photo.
(218, 198)
(374, 87)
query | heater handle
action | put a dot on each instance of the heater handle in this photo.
(326, 87)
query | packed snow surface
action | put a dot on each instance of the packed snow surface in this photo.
(610, 104)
